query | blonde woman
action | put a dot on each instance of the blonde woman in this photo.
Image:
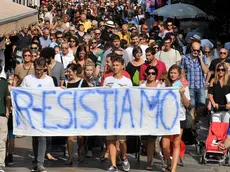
(219, 87)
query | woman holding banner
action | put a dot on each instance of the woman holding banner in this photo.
(174, 74)
(151, 73)
(74, 71)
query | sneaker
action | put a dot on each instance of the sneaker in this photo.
(1, 169)
(125, 165)
(10, 160)
(35, 167)
(41, 168)
(112, 169)
(181, 162)
(89, 154)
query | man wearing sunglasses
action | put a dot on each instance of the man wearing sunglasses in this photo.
(223, 57)
(194, 66)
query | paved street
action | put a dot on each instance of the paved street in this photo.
(23, 161)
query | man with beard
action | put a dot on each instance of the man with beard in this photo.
(151, 61)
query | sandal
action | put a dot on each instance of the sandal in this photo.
(149, 168)
(69, 162)
(50, 157)
(105, 156)
(167, 169)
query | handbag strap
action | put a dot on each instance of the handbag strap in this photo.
(61, 59)
(80, 84)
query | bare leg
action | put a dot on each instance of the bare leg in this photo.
(166, 149)
(176, 150)
(192, 111)
(150, 150)
(113, 152)
(123, 149)
(70, 149)
(81, 149)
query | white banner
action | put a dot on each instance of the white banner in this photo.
(96, 111)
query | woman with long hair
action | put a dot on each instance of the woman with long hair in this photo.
(73, 43)
(149, 141)
(75, 80)
(174, 74)
(219, 87)
(81, 56)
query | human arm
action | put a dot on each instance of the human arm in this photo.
(62, 76)
(185, 97)
(8, 101)
(210, 95)
(203, 63)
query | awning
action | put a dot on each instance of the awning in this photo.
(13, 16)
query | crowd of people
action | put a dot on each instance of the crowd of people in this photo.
(113, 43)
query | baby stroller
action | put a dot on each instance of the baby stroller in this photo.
(217, 134)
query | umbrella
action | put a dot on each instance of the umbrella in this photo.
(180, 11)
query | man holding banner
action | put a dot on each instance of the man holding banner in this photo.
(116, 81)
(38, 80)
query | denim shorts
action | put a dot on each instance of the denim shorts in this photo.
(197, 97)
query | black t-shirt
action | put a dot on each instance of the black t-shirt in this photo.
(219, 93)
(76, 84)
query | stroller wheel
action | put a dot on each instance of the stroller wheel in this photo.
(228, 158)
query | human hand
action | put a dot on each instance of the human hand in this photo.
(216, 106)
(63, 87)
(228, 106)
(182, 90)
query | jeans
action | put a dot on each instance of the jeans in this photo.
(39, 149)
(3, 139)
(197, 97)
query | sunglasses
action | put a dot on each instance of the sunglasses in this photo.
(223, 53)
(72, 41)
(207, 52)
(220, 69)
(27, 55)
(151, 73)
(94, 42)
(59, 37)
(169, 25)
(65, 48)
(97, 33)
(34, 48)
(156, 47)
(145, 28)
(196, 50)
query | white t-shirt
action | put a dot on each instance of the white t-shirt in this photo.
(67, 59)
(33, 82)
(169, 58)
(112, 82)
(158, 85)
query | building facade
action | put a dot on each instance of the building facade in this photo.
(27, 2)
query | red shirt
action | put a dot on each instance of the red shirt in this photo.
(160, 66)
(124, 73)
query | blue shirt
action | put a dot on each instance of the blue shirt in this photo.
(45, 42)
(193, 71)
